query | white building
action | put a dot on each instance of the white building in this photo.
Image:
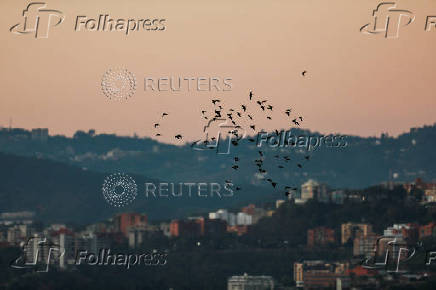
(244, 219)
(223, 214)
(314, 190)
(246, 282)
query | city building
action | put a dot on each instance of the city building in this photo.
(186, 228)
(350, 230)
(409, 232)
(197, 226)
(37, 252)
(249, 215)
(320, 236)
(21, 217)
(93, 242)
(136, 236)
(64, 239)
(364, 244)
(314, 190)
(389, 250)
(256, 212)
(224, 215)
(320, 274)
(420, 185)
(18, 233)
(430, 195)
(428, 230)
(124, 221)
(428, 189)
(243, 219)
(246, 282)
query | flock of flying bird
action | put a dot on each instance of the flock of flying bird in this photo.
(235, 116)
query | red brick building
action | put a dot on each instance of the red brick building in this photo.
(190, 227)
(427, 230)
(196, 227)
(124, 221)
(250, 209)
(418, 184)
(320, 236)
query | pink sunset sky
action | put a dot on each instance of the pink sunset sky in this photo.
(356, 83)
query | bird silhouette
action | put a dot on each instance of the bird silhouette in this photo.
(251, 95)
(164, 114)
(244, 107)
(215, 101)
(235, 167)
(304, 73)
(156, 125)
(253, 127)
(178, 136)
